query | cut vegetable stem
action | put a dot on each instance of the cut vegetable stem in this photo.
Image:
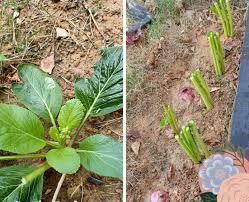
(224, 15)
(188, 152)
(202, 88)
(213, 51)
(222, 9)
(230, 18)
(171, 119)
(216, 50)
(221, 18)
(219, 52)
(193, 144)
(198, 139)
(189, 142)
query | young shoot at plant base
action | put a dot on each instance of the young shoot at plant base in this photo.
(202, 88)
(222, 9)
(169, 119)
(216, 50)
(191, 142)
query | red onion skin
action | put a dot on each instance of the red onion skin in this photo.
(187, 94)
(159, 196)
(132, 38)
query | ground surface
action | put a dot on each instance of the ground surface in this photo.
(158, 71)
(31, 37)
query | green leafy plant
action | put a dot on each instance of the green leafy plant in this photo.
(222, 9)
(191, 142)
(169, 118)
(22, 132)
(216, 50)
(202, 88)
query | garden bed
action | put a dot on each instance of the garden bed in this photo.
(32, 37)
(160, 163)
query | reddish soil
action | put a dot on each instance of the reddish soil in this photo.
(160, 162)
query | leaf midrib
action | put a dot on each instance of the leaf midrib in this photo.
(49, 112)
(108, 164)
(99, 93)
(41, 140)
(98, 153)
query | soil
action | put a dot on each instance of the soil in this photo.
(28, 35)
(154, 159)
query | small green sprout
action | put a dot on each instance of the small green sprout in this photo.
(222, 9)
(216, 50)
(202, 88)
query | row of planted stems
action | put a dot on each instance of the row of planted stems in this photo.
(188, 136)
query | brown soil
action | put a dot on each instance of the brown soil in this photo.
(31, 37)
(161, 163)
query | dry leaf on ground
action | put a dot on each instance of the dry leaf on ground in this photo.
(47, 64)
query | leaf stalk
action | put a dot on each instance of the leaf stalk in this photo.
(26, 156)
(37, 172)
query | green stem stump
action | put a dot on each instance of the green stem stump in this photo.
(37, 172)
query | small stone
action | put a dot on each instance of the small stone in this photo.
(135, 147)
(61, 33)
(119, 191)
(18, 21)
(16, 14)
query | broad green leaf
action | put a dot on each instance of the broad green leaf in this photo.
(71, 114)
(20, 130)
(2, 58)
(64, 160)
(38, 92)
(164, 122)
(102, 93)
(208, 197)
(12, 189)
(102, 155)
